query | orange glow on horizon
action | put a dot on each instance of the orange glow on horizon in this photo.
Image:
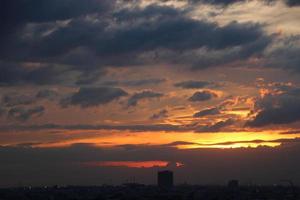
(193, 140)
(130, 164)
(231, 146)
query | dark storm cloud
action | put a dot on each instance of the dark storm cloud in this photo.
(136, 36)
(147, 94)
(202, 96)
(196, 34)
(16, 13)
(85, 44)
(286, 56)
(192, 84)
(159, 33)
(161, 114)
(17, 16)
(93, 96)
(24, 114)
(208, 111)
(18, 41)
(44, 10)
(282, 108)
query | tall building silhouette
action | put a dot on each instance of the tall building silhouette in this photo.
(165, 179)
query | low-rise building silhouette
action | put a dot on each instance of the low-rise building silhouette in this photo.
(165, 179)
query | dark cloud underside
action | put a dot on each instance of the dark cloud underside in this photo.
(202, 96)
(93, 96)
(87, 42)
(135, 98)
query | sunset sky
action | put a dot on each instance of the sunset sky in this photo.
(107, 91)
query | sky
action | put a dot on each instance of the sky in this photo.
(109, 91)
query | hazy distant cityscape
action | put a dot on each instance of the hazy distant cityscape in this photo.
(164, 190)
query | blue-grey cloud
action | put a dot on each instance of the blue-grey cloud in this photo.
(90, 76)
(22, 99)
(202, 96)
(147, 94)
(93, 96)
(208, 111)
(24, 114)
(11, 100)
(161, 114)
(31, 11)
(281, 108)
(293, 2)
(86, 45)
(47, 94)
(286, 55)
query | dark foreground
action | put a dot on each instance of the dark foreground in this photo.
(134, 191)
